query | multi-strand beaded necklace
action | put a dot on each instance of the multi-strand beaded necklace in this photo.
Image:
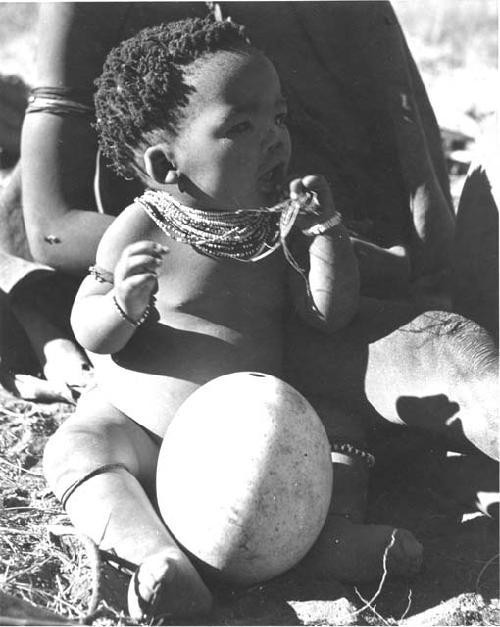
(245, 235)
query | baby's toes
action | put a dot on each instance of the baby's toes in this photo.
(147, 585)
(167, 585)
(158, 571)
(406, 554)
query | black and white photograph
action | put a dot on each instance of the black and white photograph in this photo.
(249, 313)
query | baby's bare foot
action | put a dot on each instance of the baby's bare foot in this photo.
(358, 553)
(167, 585)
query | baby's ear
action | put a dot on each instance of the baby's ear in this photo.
(159, 166)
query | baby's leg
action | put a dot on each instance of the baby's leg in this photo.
(347, 549)
(99, 463)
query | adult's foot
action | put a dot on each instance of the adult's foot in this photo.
(67, 373)
(66, 365)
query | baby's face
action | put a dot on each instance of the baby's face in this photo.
(233, 144)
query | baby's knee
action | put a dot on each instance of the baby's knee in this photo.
(78, 447)
(66, 454)
(96, 437)
(70, 459)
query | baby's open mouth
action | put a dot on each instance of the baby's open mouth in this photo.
(271, 182)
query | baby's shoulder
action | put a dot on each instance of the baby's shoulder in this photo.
(132, 225)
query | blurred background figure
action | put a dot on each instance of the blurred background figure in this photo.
(17, 70)
(455, 45)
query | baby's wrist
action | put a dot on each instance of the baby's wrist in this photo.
(321, 228)
(135, 321)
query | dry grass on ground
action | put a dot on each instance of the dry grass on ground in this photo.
(37, 564)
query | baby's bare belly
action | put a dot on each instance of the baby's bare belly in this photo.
(162, 365)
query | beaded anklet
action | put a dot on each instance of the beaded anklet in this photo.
(348, 449)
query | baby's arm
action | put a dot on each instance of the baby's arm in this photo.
(333, 275)
(106, 313)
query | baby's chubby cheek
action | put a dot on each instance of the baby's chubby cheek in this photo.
(237, 189)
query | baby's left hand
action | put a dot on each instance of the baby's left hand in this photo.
(325, 207)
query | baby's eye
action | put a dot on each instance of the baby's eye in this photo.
(239, 128)
(281, 119)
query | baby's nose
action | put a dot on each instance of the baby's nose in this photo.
(271, 138)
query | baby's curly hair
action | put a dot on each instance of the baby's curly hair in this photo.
(142, 89)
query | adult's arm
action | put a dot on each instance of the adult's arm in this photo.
(418, 155)
(58, 153)
(421, 161)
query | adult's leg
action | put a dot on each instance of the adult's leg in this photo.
(439, 373)
(435, 371)
(100, 464)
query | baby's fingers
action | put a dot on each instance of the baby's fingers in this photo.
(317, 186)
(146, 247)
(297, 188)
(140, 283)
(138, 264)
(139, 258)
(134, 294)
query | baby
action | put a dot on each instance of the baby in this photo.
(194, 280)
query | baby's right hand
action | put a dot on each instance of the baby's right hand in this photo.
(136, 278)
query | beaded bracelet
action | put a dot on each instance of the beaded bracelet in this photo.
(349, 449)
(136, 323)
(323, 227)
